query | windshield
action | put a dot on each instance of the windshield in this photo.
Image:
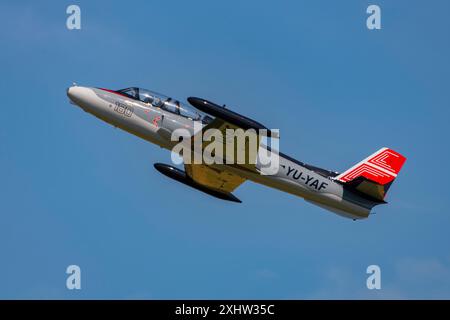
(131, 92)
(161, 101)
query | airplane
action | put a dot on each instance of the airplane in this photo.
(154, 117)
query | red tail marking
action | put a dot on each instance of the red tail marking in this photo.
(382, 167)
(389, 160)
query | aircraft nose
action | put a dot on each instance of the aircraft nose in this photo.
(80, 96)
(72, 94)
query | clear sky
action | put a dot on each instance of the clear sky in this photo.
(74, 190)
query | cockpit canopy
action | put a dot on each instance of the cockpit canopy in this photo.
(166, 103)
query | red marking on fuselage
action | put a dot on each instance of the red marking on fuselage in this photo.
(155, 121)
(112, 91)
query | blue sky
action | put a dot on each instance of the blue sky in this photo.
(74, 190)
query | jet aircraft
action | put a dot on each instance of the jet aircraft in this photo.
(154, 117)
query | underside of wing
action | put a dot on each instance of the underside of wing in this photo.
(240, 135)
(213, 178)
(230, 141)
(216, 183)
(239, 146)
(226, 143)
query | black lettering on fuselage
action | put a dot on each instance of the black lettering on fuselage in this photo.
(297, 174)
(315, 184)
(289, 171)
(310, 181)
(323, 185)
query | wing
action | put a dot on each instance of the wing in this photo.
(237, 147)
(217, 177)
(212, 178)
(240, 144)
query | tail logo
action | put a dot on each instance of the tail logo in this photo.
(389, 160)
(382, 167)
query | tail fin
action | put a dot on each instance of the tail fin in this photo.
(374, 175)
